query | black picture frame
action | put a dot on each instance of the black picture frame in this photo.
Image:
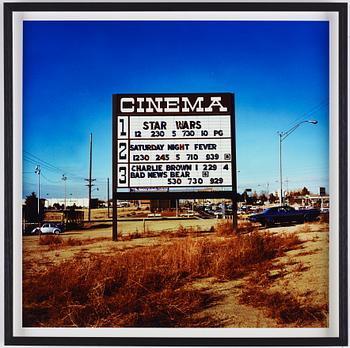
(341, 9)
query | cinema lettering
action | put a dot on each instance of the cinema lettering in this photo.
(171, 104)
(173, 144)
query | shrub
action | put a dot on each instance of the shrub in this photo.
(224, 228)
(50, 240)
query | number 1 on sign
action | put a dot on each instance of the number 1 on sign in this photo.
(123, 127)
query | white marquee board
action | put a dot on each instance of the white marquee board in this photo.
(173, 141)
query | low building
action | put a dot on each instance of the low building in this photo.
(78, 202)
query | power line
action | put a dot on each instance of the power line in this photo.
(41, 160)
(27, 159)
(49, 165)
(51, 181)
(318, 107)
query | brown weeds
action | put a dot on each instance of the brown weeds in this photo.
(305, 228)
(50, 239)
(247, 227)
(57, 242)
(145, 286)
(73, 241)
(286, 307)
(225, 228)
(309, 252)
(324, 218)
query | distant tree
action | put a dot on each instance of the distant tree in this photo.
(254, 197)
(239, 197)
(272, 198)
(305, 191)
(291, 198)
(31, 208)
(58, 206)
(262, 198)
(245, 197)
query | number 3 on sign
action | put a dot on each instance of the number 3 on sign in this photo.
(122, 176)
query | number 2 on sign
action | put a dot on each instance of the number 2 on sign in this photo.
(122, 151)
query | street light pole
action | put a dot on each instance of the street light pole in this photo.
(282, 136)
(38, 171)
(64, 178)
(281, 185)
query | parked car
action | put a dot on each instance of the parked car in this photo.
(123, 204)
(187, 213)
(284, 214)
(219, 214)
(154, 215)
(48, 228)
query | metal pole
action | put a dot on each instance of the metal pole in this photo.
(64, 178)
(39, 195)
(90, 177)
(284, 135)
(107, 197)
(281, 183)
(37, 171)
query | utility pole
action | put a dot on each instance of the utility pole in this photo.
(281, 184)
(108, 198)
(64, 178)
(38, 171)
(90, 180)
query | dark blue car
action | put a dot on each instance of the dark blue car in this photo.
(284, 215)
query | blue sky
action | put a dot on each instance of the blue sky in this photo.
(278, 72)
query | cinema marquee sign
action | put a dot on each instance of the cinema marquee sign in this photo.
(173, 142)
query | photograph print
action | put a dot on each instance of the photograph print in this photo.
(177, 173)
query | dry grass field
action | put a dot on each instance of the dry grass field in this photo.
(192, 276)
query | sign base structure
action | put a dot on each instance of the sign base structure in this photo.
(174, 146)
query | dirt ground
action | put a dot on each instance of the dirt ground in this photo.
(302, 272)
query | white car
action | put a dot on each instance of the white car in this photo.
(154, 215)
(48, 228)
(122, 204)
(188, 214)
